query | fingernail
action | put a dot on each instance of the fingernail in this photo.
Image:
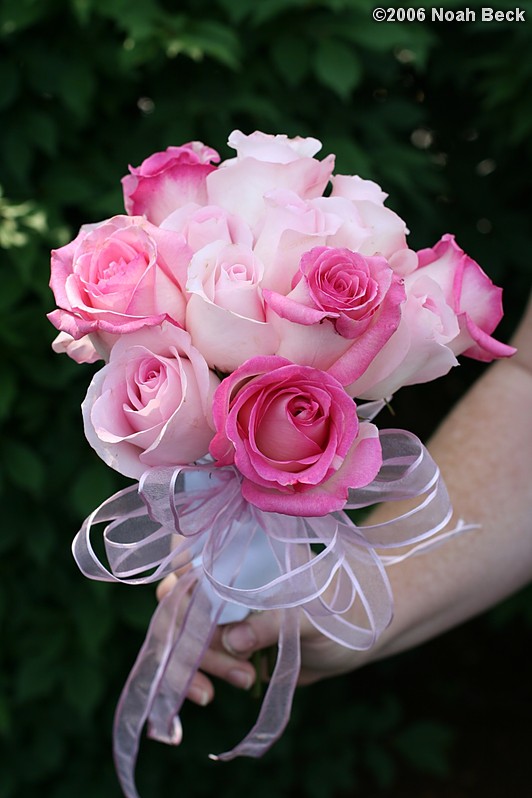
(198, 696)
(240, 678)
(239, 639)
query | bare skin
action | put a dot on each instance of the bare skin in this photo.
(484, 450)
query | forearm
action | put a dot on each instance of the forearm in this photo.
(484, 450)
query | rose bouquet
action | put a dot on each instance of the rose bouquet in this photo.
(254, 316)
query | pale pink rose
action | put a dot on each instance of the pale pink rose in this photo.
(471, 294)
(353, 187)
(451, 309)
(273, 149)
(203, 225)
(291, 226)
(294, 435)
(151, 405)
(116, 277)
(225, 312)
(167, 180)
(82, 351)
(342, 309)
(265, 163)
(369, 227)
(419, 350)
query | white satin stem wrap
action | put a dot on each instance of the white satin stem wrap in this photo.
(194, 518)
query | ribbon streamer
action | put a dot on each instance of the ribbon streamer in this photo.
(194, 517)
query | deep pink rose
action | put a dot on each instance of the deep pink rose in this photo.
(151, 405)
(116, 277)
(294, 435)
(471, 294)
(265, 163)
(342, 309)
(167, 180)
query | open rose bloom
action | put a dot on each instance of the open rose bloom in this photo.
(253, 316)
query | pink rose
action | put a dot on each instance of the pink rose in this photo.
(203, 225)
(291, 226)
(116, 277)
(151, 404)
(369, 227)
(471, 294)
(294, 435)
(342, 309)
(419, 350)
(451, 309)
(355, 188)
(167, 180)
(225, 312)
(264, 163)
(82, 351)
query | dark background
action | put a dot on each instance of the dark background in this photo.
(440, 115)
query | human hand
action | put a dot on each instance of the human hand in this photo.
(228, 656)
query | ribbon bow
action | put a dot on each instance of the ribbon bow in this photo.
(232, 554)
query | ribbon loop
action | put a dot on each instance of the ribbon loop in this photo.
(234, 557)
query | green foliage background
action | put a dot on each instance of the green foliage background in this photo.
(440, 115)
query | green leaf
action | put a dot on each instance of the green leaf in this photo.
(82, 10)
(9, 83)
(426, 746)
(43, 68)
(45, 754)
(135, 606)
(389, 37)
(68, 183)
(291, 57)
(380, 763)
(5, 716)
(83, 686)
(351, 159)
(206, 38)
(16, 153)
(77, 88)
(93, 618)
(36, 676)
(23, 466)
(90, 487)
(237, 10)
(138, 18)
(13, 287)
(41, 547)
(8, 390)
(16, 15)
(268, 9)
(337, 67)
(41, 131)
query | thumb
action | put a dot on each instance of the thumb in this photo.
(259, 630)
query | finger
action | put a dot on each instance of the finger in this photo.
(164, 587)
(259, 630)
(239, 673)
(201, 690)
